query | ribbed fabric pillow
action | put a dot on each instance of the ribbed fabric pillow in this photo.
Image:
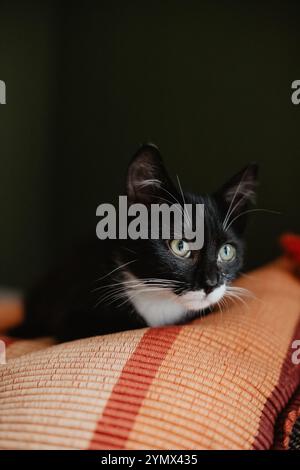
(218, 383)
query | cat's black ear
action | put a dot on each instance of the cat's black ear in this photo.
(237, 195)
(147, 178)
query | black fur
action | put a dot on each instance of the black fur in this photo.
(67, 303)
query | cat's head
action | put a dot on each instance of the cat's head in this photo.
(164, 279)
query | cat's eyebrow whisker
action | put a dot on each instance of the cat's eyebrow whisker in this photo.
(233, 199)
(172, 195)
(179, 209)
(183, 199)
(246, 194)
(225, 224)
(165, 199)
(149, 182)
(183, 211)
(116, 269)
(171, 203)
(251, 210)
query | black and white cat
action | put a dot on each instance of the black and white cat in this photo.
(114, 285)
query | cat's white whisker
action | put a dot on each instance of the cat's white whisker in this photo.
(147, 281)
(233, 296)
(182, 210)
(116, 269)
(220, 308)
(240, 290)
(132, 286)
(144, 285)
(133, 294)
(124, 294)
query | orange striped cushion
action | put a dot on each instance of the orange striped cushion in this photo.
(218, 383)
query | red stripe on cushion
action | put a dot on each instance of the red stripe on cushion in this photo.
(288, 381)
(116, 422)
(285, 424)
(7, 341)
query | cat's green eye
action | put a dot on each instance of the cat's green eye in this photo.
(180, 248)
(227, 253)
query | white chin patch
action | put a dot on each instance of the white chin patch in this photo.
(161, 306)
(198, 299)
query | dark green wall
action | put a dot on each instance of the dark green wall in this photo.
(28, 66)
(209, 82)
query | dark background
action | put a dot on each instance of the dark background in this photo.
(207, 81)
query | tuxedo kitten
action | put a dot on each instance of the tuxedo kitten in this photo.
(114, 285)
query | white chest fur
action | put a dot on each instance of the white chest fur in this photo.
(158, 307)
